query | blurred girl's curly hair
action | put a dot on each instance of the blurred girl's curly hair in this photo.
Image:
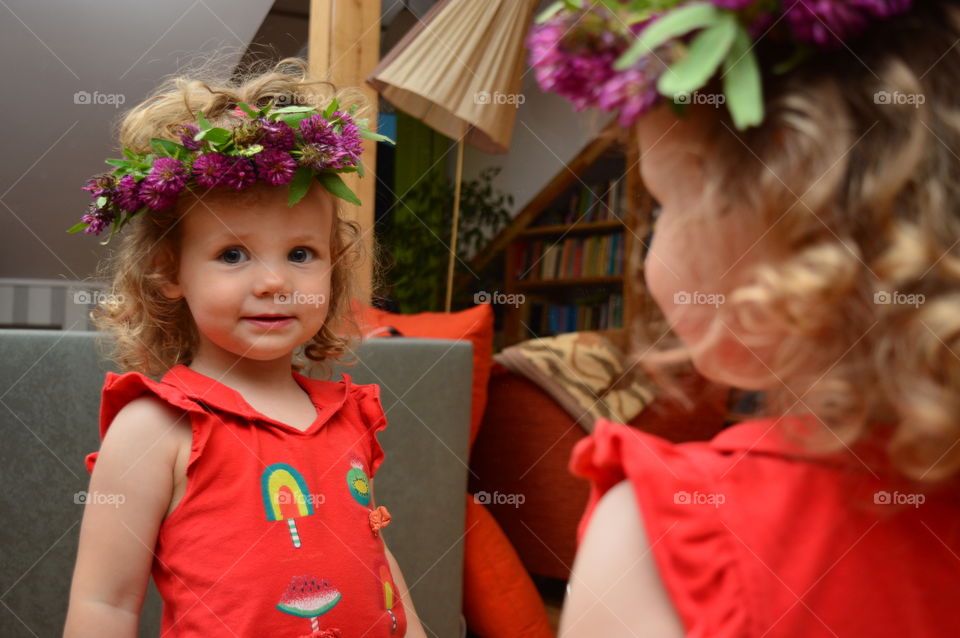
(854, 179)
(142, 330)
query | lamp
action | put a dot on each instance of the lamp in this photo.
(458, 71)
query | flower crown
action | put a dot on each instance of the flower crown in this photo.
(292, 145)
(623, 55)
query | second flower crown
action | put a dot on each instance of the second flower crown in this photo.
(626, 56)
(291, 145)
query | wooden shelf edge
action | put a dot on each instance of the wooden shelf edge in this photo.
(572, 229)
(526, 284)
(564, 178)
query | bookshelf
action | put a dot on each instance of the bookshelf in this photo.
(567, 252)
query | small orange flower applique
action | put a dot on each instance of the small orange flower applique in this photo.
(379, 518)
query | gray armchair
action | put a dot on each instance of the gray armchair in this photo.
(50, 384)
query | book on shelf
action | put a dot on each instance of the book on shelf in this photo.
(571, 258)
(550, 319)
(595, 202)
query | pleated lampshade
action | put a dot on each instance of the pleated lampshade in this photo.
(459, 70)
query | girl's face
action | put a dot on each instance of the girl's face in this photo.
(696, 255)
(242, 259)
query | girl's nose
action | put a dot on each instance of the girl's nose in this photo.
(270, 280)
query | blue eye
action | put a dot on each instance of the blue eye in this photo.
(299, 251)
(228, 254)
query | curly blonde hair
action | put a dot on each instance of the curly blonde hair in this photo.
(858, 200)
(141, 329)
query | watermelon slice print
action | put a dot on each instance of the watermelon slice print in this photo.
(309, 597)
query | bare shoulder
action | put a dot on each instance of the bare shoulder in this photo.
(149, 426)
(615, 587)
(149, 437)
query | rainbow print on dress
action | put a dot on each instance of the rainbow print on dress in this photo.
(285, 496)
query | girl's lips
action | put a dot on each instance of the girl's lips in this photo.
(269, 322)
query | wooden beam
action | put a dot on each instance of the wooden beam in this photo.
(345, 47)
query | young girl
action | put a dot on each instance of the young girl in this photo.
(245, 487)
(807, 248)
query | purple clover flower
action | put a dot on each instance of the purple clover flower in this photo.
(828, 23)
(97, 219)
(210, 169)
(339, 158)
(127, 194)
(332, 144)
(101, 185)
(349, 143)
(631, 92)
(168, 176)
(573, 55)
(277, 135)
(317, 129)
(155, 197)
(275, 167)
(322, 157)
(186, 132)
(240, 174)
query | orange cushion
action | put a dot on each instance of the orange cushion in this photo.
(473, 324)
(499, 598)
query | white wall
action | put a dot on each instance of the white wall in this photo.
(547, 135)
(50, 50)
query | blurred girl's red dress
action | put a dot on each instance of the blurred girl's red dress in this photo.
(754, 536)
(276, 534)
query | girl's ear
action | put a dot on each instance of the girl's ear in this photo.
(171, 290)
(166, 265)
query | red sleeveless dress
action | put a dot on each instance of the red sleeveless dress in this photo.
(754, 537)
(274, 535)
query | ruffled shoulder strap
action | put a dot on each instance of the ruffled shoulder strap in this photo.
(121, 389)
(366, 399)
(679, 498)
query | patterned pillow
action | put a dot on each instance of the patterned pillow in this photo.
(585, 373)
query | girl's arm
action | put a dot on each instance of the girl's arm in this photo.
(129, 494)
(615, 588)
(414, 627)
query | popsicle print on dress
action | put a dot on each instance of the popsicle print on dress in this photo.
(389, 595)
(309, 597)
(285, 496)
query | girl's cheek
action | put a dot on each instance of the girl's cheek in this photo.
(662, 271)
